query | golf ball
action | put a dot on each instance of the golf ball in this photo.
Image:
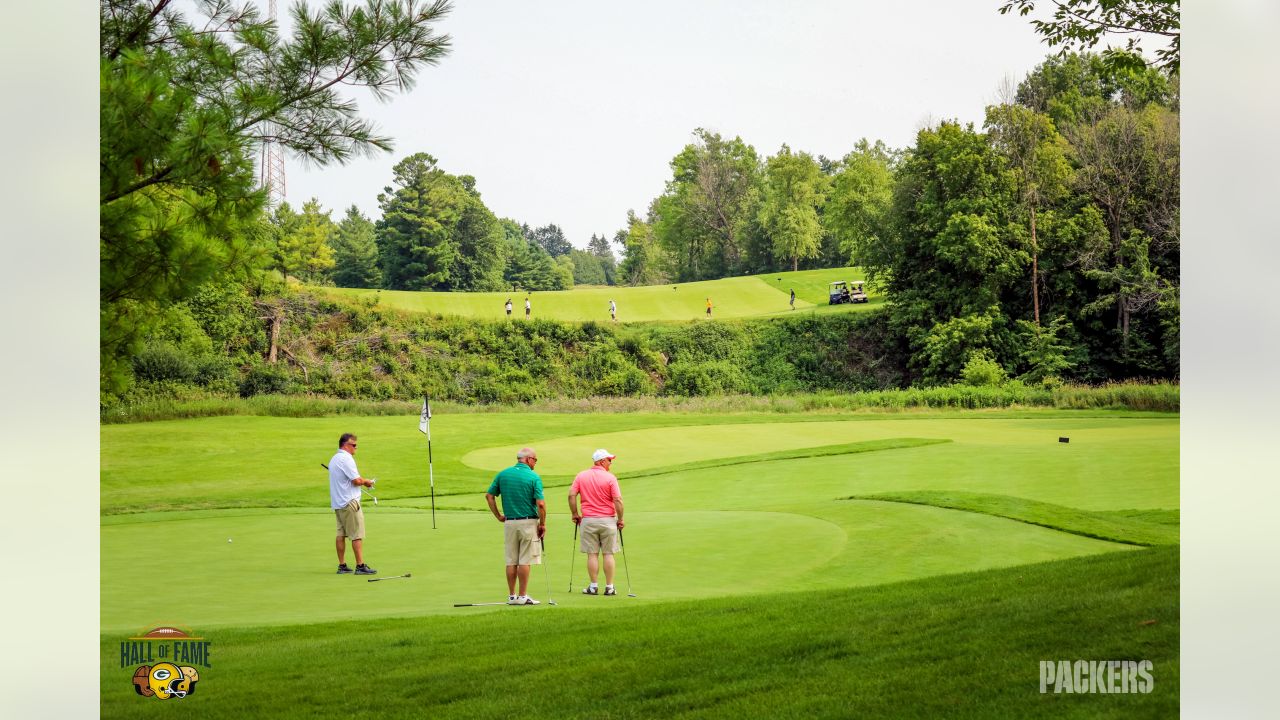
(228, 539)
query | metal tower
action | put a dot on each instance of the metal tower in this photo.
(271, 162)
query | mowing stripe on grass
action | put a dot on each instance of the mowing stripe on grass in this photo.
(814, 452)
(1099, 525)
(974, 641)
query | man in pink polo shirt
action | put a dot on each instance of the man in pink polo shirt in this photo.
(600, 518)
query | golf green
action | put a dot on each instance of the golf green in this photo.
(731, 524)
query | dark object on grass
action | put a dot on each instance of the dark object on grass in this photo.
(1064, 439)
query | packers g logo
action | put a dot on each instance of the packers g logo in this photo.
(165, 680)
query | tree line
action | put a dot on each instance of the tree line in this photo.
(434, 233)
(1044, 243)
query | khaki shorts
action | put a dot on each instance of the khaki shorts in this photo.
(600, 534)
(522, 546)
(350, 520)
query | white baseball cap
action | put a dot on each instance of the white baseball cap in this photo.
(602, 454)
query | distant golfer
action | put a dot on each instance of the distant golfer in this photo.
(344, 497)
(528, 308)
(613, 310)
(508, 307)
(793, 298)
(708, 307)
(600, 518)
(524, 519)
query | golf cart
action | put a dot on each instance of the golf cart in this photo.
(846, 292)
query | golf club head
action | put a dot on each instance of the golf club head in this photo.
(631, 594)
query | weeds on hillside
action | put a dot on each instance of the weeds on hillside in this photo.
(1162, 397)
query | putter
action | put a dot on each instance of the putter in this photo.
(623, 543)
(393, 577)
(574, 556)
(478, 604)
(546, 573)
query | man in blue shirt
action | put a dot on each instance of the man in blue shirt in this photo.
(524, 519)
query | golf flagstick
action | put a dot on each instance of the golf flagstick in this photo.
(424, 425)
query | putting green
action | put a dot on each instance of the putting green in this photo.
(278, 569)
(728, 528)
(1005, 456)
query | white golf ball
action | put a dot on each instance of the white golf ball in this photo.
(228, 539)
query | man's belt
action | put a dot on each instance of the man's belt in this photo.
(532, 517)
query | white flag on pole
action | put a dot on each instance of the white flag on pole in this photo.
(425, 422)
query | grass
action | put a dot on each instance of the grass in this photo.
(959, 646)
(1133, 527)
(976, 546)
(738, 297)
(1159, 397)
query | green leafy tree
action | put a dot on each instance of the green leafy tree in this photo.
(861, 193)
(599, 247)
(1037, 159)
(1128, 167)
(1080, 87)
(480, 248)
(951, 257)
(563, 273)
(643, 261)
(551, 238)
(587, 268)
(1045, 352)
(1083, 24)
(528, 266)
(435, 233)
(185, 98)
(794, 190)
(302, 241)
(355, 252)
(713, 193)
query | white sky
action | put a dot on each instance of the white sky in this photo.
(569, 111)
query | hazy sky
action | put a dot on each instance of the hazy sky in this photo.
(569, 111)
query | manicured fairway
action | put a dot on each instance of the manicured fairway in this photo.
(724, 525)
(951, 646)
(740, 297)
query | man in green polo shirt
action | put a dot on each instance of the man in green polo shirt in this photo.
(524, 519)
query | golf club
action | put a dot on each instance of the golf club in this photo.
(366, 492)
(479, 604)
(574, 556)
(393, 577)
(623, 543)
(545, 573)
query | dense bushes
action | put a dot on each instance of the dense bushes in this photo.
(356, 351)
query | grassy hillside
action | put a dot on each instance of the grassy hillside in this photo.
(740, 297)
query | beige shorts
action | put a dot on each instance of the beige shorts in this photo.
(522, 546)
(350, 520)
(599, 534)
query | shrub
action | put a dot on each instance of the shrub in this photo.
(982, 370)
(164, 362)
(263, 378)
